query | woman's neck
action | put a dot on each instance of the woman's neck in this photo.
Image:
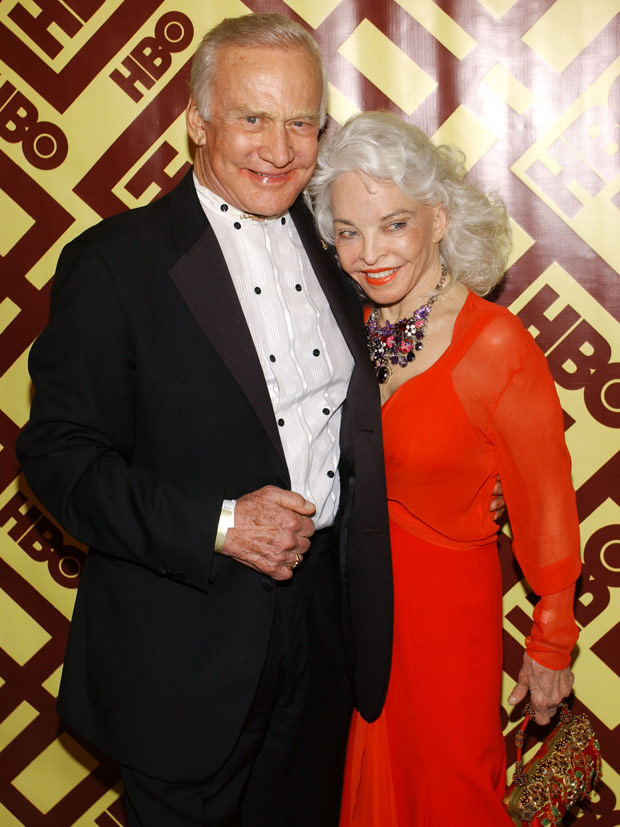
(415, 299)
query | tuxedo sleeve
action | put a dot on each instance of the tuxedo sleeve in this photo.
(78, 449)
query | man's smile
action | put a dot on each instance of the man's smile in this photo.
(270, 177)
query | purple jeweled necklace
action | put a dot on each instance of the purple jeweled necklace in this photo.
(397, 344)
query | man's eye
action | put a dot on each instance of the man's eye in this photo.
(302, 126)
(397, 225)
(251, 119)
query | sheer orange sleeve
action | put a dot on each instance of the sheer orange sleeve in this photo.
(516, 405)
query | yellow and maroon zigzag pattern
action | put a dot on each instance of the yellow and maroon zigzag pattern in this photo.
(91, 100)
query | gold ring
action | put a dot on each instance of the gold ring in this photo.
(296, 563)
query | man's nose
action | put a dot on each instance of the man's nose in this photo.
(278, 146)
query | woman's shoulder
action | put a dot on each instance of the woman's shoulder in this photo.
(496, 323)
(494, 334)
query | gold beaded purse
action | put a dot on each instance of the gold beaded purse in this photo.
(564, 770)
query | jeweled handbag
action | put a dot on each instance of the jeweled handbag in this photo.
(564, 770)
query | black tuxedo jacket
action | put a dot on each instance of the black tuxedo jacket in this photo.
(150, 408)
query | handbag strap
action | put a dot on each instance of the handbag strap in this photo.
(520, 776)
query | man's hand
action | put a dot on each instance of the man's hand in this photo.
(498, 504)
(272, 531)
(547, 687)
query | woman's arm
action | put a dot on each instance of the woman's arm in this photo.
(525, 425)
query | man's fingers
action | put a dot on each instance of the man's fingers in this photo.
(295, 502)
(272, 552)
(271, 510)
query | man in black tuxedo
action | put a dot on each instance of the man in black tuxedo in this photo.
(206, 419)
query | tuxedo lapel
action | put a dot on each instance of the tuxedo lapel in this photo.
(202, 278)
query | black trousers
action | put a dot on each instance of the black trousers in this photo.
(286, 769)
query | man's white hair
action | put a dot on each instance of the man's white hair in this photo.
(250, 31)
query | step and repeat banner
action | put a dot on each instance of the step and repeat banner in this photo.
(92, 95)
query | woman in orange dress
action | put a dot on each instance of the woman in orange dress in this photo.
(466, 396)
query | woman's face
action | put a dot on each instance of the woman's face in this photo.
(385, 241)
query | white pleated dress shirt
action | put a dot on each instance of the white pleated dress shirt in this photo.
(305, 360)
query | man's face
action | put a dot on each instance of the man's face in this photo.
(258, 149)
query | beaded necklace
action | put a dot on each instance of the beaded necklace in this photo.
(397, 344)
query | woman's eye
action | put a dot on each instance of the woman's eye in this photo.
(397, 225)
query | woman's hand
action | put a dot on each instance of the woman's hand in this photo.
(498, 503)
(547, 687)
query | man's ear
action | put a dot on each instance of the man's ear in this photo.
(195, 123)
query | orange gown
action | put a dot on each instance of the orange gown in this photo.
(435, 757)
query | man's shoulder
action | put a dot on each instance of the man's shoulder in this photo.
(302, 218)
(134, 246)
(320, 254)
(128, 221)
(146, 223)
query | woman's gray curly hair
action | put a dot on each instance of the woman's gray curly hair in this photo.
(388, 149)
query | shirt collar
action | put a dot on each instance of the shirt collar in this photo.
(218, 206)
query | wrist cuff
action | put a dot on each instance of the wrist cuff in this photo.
(227, 520)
